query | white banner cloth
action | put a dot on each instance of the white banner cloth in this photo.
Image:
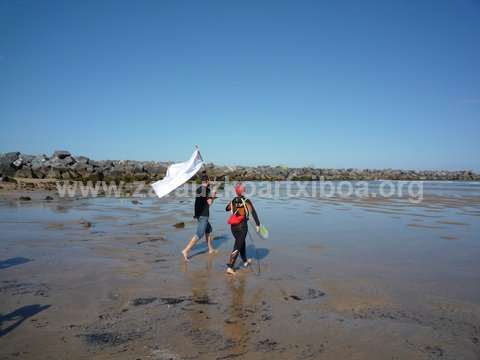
(178, 174)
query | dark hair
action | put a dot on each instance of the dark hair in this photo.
(204, 177)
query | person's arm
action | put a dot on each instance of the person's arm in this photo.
(229, 206)
(254, 213)
(211, 197)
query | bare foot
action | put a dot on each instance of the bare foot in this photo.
(213, 251)
(185, 255)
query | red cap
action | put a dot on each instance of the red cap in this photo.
(239, 189)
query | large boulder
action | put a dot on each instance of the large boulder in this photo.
(102, 165)
(24, 172)
(83, 170)
(117, 171)
(39, 161)
(28, 158)
(23, 160)
(69, 160)
(141, 176)
(6, 163)
(17, 164)
(138, 167)
(69, 175)
(154, 168)
(82, 159)
(56, 163)
(39, 166)
(39, 173)
(129, 167)
(61, 154)
(60, 164)
(11, 156)
(54, 174)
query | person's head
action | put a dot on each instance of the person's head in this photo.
(204, 179)
(240, 189)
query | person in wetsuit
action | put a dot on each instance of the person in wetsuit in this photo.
(242, 207)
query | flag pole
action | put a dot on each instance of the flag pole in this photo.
(201, 157)
(198, 149)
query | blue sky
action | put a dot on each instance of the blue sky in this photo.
(366, 84)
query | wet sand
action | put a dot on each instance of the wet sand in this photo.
(339, 278)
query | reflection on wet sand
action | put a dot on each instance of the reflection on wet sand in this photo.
(235, 327)
(199, 280)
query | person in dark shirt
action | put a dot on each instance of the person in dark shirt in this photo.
(203, 200)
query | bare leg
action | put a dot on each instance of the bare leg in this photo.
(189, 247)
(211, 249)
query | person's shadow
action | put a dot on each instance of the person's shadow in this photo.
(202, 248)
(257, 253)
(19, 316)
(5, 264)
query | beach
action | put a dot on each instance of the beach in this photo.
(214, 180)
(339, 277)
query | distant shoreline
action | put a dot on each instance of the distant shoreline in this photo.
(62, 165)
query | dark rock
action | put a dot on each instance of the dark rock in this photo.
(180, 225)
(172, 301)
(82, 159)
(27, 158)
(69, 160)
(8, 179)
(85, 223)
(61, 154)
(24, 173)
(11, 156)
(18, 163)
(25, 198)
(203, 300)
(153, 168)
(82, 169)
(314, 293)
(6, 163)
(138, 168)
(118, 171)
(39, 167)
(38, 161)
(54, 174)
(102, 164)
(436, 351)
(58, 164)
(109, 338)
(266, 345)
(69, 175)
(151, 240)
(143, 301)
(48, 198)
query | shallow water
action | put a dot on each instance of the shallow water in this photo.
(342, 277)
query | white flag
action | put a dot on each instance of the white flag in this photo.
(178, 174)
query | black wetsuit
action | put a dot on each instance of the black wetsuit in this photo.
(240, 231)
